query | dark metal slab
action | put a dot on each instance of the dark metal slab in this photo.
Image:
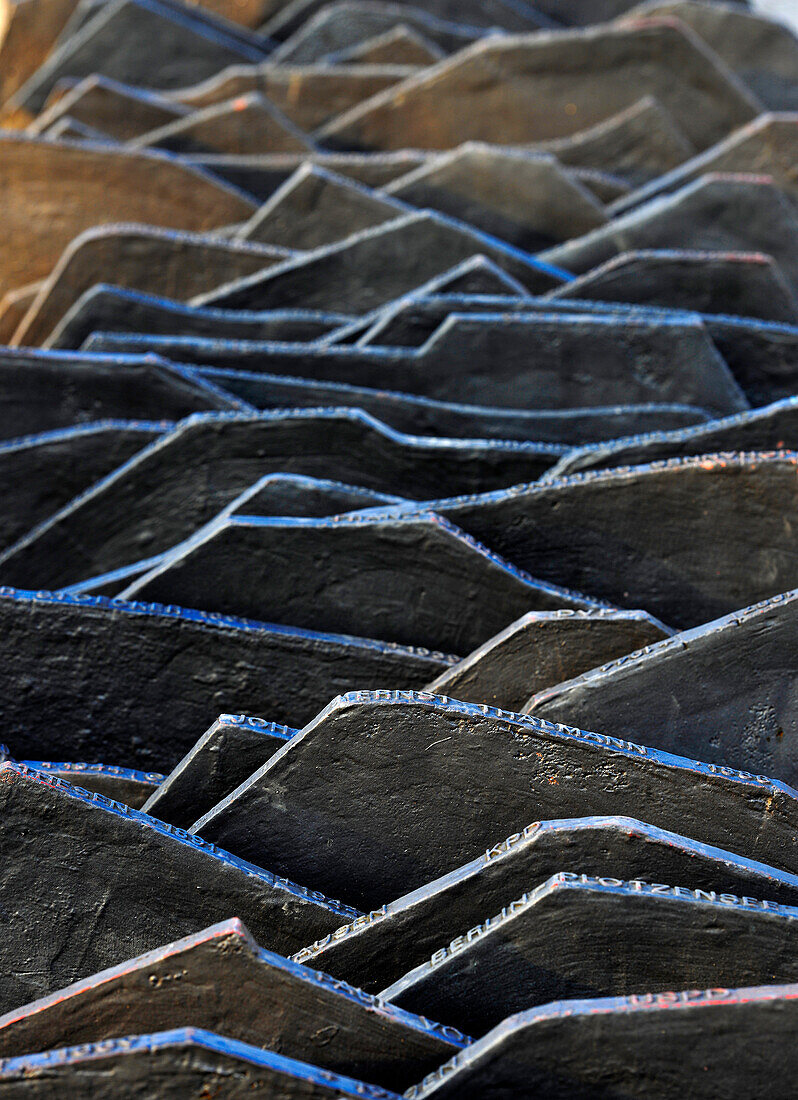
(371, 268)
(545, 648)
(42, 473)
(142, 42)
(418, 582)
(638, 144)
(715, 213)
(145, 258)
(744, 284)
(524, 198)
(109, 308)
(767, 144)
(91, 881)
(339, 27)
(722, 692)
(173, 1065)
(400, 46)
(688, 539)
(246, 125)
(316, 207)
(647, 1047)
(52, 391)
(625, 937)
(122, 111)
(475, 15)
(571, 426)
(416, 760)
(233, 748)
(262, 175)
(287, 1008)
(502, 89)
(126, 785)
(525, 361)
(769, 428)
(295, 495)
(136, 682)
(375, 951)
(74, 178)
(172, 489)
(762, 52)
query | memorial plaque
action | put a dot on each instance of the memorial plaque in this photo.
(44, 391)
(113, 309)
(92, 185)
(417, 759)
(661, 1046)
(767, 144)
(287, 1008)
(536, 360)
(475, 14)
(310, 95)
(173, 489)
(769, 428)
(745, 284)
(689, 539)
(144, 42)
(248, 124)
(638, 144)
(368, 269)
(721, 692)
(715, 213)
(233, 748)
(144, 258)
(345, 25)
(316, 207)
(571, 426)
(157, 884)
(44, 472)
(762, 52)
(172, 1065)
(527, 199)
(545, 648)
(139, 683)
(625, 937)
(419, 582)
(295, 495)
(126, 785)
(122, 111)
(502, 90)
(400, 46)
(374, 952)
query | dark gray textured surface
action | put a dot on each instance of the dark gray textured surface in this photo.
(42, 473)
(171, 1065)
(417, 582)
(229, 985)
(43, 391)
(723, 692)
(394, 939)
(417, 760)
(233, 748)
(648, 1047)
(91, 882)
(550, 360)
(688, 540)
(140, 684)
(112, 309)
(171, 490)
(600, 938)
(545, 648)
